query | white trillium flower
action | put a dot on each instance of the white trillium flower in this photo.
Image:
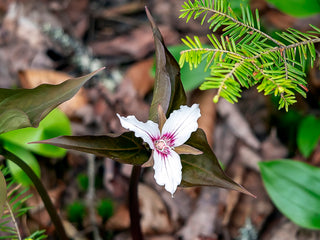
(167, 141)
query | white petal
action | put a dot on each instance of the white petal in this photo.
(147, 131)
(182, 123)
(167, 170)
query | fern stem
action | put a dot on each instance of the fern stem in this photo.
(266, 77)
(14, 220)
(41, 190)
(214, 50)
(229, 75)
(237, 22)
(276, 49)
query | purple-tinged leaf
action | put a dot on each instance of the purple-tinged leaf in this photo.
(168, 90)
(20, 108)
(204, 169)
(125, 148)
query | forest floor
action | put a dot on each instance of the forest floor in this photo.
(52, 40)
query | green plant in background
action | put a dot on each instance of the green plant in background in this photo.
(245, 56)
(190, 78)
(294, 188)
(76, 212)
(308, 135)
(12, 206)
(56, 123)
(297, 8)
(83, 181)
(105, 209)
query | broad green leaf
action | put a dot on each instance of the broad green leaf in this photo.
(308, 135)
(21, 108)
(18, 174)
(168, 90)
(191, 79)
(55, 124)
(3, 193)
(204, 169)
(297, 8)
(125, 148)
(294, 188)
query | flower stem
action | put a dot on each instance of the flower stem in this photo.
(136, 233)
(41, 190)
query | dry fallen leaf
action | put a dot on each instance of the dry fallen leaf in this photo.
(203, 218)
(136, 44)
(120, 220)
(154, 215)
(38, 212)
(279, 19)
(72, 232)
(140, 76)
(208, 113)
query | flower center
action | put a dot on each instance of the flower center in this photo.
(163, 145)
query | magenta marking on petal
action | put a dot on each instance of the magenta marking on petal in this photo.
(169, 138)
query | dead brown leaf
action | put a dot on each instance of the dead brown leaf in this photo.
(208, 112)
(256, 209)
(202, 220)
(140, 76)
(233, 196)
(279, 19)
(38, 212)
(137, 44)
(154, 215)
(120, 220)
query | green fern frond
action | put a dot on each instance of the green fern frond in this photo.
(244, 56)
(14, 208)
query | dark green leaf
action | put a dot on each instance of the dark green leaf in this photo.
(21, 108)
(168, 90)
(3, 195)
(204, 169)
(308, 135)
(18, 174)
(294, 187)
(55, 124)
(297, 8)
(125, 148)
